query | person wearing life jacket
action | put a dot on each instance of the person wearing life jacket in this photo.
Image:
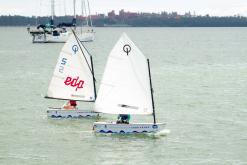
(70, 105)
(123, 119)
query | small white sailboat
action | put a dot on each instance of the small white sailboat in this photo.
(126, 88)
(73, 79)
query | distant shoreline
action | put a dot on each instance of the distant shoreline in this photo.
(134, 21)
(25, 26)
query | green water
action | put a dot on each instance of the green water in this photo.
(200, 82)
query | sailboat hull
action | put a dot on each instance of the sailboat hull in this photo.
(86, 36)
(61, 113)
(132, 128)
(49, 38)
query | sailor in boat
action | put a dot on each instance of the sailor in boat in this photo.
(123, 119)
(70, 105)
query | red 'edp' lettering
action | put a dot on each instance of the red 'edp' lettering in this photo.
(74, 82)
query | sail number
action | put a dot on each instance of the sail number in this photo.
(74, 82)
(62, 64)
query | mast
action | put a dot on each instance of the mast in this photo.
(82, 14)
(82, 7)
(95, 95)
(64, 4)
(52, 11)
(74, 19)
(74, 9)
(151, 89)
(89, 12)
(84, 11)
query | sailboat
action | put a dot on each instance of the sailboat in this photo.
(126, 88)
(73, 79)
(86, 33)
(49, 33)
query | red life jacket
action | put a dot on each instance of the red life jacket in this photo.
(72, 102)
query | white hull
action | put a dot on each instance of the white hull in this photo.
(86, 36)
(61, 113)
(49, 38)
(132, 128)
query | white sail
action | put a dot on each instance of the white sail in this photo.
(125, 86)
(72, 78)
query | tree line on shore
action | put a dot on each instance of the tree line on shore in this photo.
(137, 21)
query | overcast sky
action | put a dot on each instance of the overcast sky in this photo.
(200, 7)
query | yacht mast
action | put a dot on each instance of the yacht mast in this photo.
(74, 19)
(89, 12)
(64, 4)
(52, 11)
(74, 8)
(84, 11)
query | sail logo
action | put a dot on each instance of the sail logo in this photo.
(127, 49)
(75, 48)
(74, 82)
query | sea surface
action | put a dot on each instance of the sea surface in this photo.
(200, 81)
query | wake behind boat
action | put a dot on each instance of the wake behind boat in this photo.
(126, 88)
(73, 80)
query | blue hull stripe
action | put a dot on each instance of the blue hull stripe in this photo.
(122, 132)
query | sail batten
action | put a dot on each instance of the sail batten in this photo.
(72, 78)
(125, 87)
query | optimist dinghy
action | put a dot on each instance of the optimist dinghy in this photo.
(73, 79)
(126, 88)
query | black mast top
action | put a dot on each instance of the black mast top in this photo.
(94, 86)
